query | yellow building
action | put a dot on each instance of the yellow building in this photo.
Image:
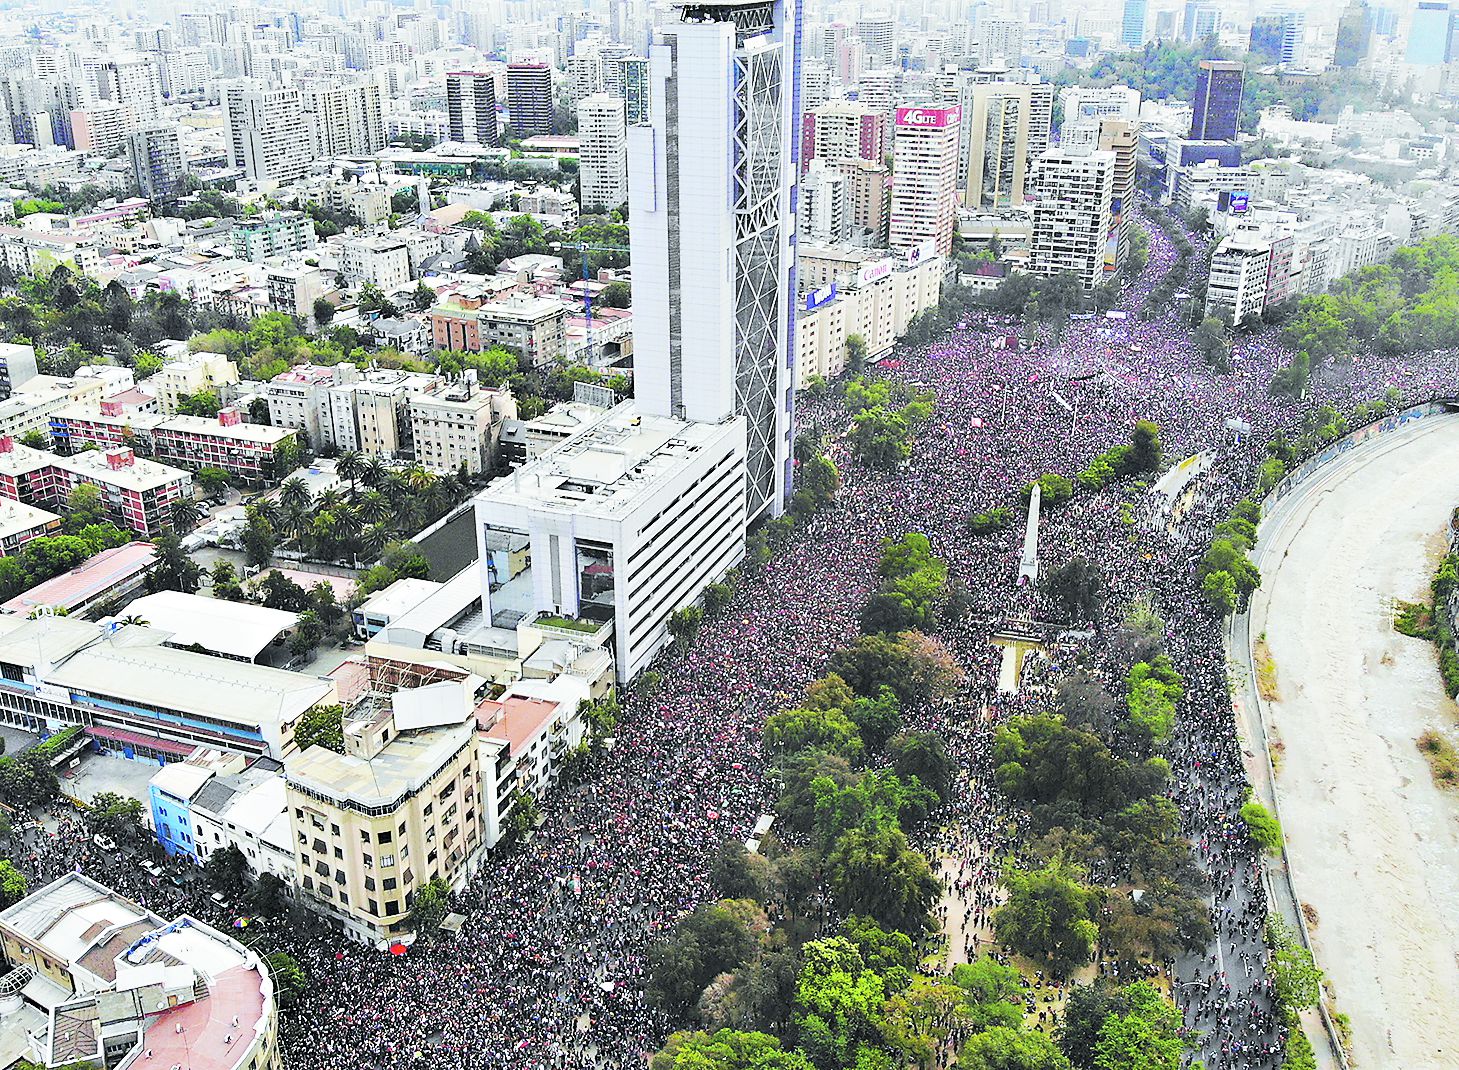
(401, 807)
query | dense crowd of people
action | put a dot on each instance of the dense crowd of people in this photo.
(549, 969)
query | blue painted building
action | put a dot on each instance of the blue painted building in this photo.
(171, 793)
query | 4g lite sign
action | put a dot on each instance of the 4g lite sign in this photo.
(928, 118)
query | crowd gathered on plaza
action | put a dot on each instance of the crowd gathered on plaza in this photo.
(549, 970)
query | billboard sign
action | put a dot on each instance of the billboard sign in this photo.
(922, 251)
(870, 273)
(928, 118)
(816, 298)
(1239, 202)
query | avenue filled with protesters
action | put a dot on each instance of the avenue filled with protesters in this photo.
(550, 967)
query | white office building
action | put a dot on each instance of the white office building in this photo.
(713, 174)
(627, 522)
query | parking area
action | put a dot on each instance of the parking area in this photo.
(97, 773)
(17, 739)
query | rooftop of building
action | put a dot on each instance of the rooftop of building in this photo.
(608, 467)
(16, 518)
(400, 596)
(259, 434)
(404, 765)
(102, 573)
(236, 629)
(121, 468)
(523, 308)
(130, 664)
(146, 972)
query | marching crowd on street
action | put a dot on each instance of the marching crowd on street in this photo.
(549, 969)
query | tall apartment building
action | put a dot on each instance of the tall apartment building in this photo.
(529, 99)
(471, 107)
(1071, 216)
(1005, 126)
(157, 163)
(267, 136)
(1216, 109)
(868, 190)
(132, 82)
(878, 35)
(843, 130)
(1133, 23)
(715, 172)
(1240, 271)
(627, 77)
(1122, 138)
(1430, 35)
(456, 426)
(191, 374)
(271, 233)
(603, 152)
(824, 209)
(924, 183)
(399, 808)
(344, 120)
(1354, 35)
(1200, 21)
(1001, 41)
(100, 127)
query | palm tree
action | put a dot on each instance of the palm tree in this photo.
(374, 472)
(266, 509)
(185, 514)
(374, 507)
(330, 501)
(294, 494)
(137, 619)
(373, 541)
(295, 520)
(349, 466)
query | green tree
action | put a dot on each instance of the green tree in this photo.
(1145, 1038)
(1077, 588)
(269, 895)
(211, 481)
(715, 938)
(1210, 342)
(258, 539)
(227, 871)
(616, 295)
(116, 816)
(683, 625)
(727, 1049)
(1264, 829)
(428, 907)
(13, 884)
(923, 755)
(321, 726)
(323, 311)
(173, 569)
(1011, 1048)
(855, 354)
(1155, 689)
(992, 993)
(875, 872)
(1296, 979)
(1219, 590)
(1049, 916)
(84, 506)
(288, 975)
(796, 730)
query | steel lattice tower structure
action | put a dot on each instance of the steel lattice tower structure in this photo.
(711, 194)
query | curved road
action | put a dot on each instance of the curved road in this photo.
(1372, 844)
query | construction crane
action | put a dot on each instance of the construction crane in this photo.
(585, 249)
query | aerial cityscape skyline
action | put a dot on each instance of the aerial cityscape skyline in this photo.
(729, 535)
